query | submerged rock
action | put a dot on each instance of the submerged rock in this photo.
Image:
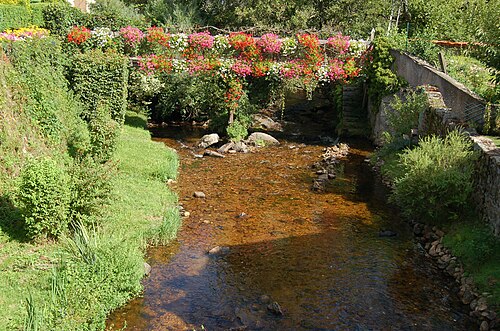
(387, 233)
(199, 194)
(218, 250)
(275, 308)
(208, 140)
(147, 269)
(212, 153)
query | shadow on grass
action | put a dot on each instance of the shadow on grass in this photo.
(11, 220)
(136, 120)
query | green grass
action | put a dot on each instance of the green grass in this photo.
(75, 282)
(473, 74)
(479, 251)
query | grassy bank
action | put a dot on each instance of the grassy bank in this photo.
(74, 283)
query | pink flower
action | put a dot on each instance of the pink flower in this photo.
(201, 40)
(270, 43)
(336, 70)
(242, 68)
(339, 43)
(131, 35)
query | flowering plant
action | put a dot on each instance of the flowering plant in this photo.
(200, 41)
(309, 45)
(242, 68)
(102, 37)
(338, 44)
(78, 35)
(131, 36)
(244, 44)
(157, 36)
(270, 43)
(23, 33)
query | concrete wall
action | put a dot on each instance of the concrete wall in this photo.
(456, 95)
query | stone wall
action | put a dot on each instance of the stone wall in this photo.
(487, 182)
(460, 99)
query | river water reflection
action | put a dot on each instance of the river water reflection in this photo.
(316, 254)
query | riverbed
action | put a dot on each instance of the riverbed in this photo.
(274, 240)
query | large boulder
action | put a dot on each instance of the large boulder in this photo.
(208, 140)
(260, 138)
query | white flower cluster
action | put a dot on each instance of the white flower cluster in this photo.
(323, 74)
(179, 42)
(274, 72)
(289, 46)
(357, 47)
(225, 68)
(179, 66)
(221, 43)
(102, 36)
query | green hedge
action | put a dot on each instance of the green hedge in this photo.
(101, 78)
(15, 16)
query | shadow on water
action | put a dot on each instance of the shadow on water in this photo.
(318, 255)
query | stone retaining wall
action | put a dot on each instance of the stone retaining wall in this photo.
(487, 182)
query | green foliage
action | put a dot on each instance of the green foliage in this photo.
(236, 131)
(190, 97)
(91, 189)
(103, 134)
(437, 175)
(100, 79)
(45, 197)
(113, 14)
(183, 15)
(14, 16)
(473, 243)
(381, 80)
(475, 75)
(60, 17)
(405, 114)
(46, 97)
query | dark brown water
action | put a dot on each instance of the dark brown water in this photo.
(317, 254)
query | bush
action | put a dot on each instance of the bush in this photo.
(188, 97)
(437, 180)
(46, 98)
(60, 17)
(236, 131)
(100, 78)
(91, 189)
(113, 14)
(13, 16)
(404, 116)
(45, 197)
(103, 134)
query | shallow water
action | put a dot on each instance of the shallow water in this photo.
(316, 254)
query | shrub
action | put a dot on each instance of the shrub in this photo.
(45, 198)
(103, 134)
(46, 97)
(438, 178)
(91, 189)
(113, 14)
(236, 131)
(13, 16)
(59, 18)
(100, 78)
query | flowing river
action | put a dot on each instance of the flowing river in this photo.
(318, 255)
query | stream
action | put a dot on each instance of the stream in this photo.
(318, 255)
